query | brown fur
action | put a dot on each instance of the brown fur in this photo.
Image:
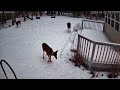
(48, 51)
(18, 23)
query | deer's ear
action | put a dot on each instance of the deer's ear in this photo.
(56, 51)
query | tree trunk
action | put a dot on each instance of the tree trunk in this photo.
(36, 13)
(32, 15)
(24, 16)
(2, 18)
(58, 12)
(27, 14)
(5, 17)
(13, 18)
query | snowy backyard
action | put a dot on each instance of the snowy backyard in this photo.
(22, 48)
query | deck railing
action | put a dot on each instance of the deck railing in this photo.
(98, 54)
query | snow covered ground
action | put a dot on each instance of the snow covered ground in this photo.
(22, 49)
(8, 24)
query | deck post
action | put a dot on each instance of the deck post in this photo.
(78, 44)
(93, 51)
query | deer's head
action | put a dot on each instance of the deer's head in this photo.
(55, 54)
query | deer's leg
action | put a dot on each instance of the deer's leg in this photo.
(68, 30)
(16, 25)
(43, 54)
(50, 59)
(20, 23)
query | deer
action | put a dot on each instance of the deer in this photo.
(49, 52)
(69, 27)
(18, 23)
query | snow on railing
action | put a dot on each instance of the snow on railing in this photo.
(92, 24)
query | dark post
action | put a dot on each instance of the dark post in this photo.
(13, 18)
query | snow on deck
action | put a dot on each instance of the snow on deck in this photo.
(95, 35)
(22, 49)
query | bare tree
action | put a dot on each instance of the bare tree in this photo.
(2, 18)
(24, 16)
(13, 18)
(27, 14)
(32, 15)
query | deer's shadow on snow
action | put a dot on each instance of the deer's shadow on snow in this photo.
(45, 60)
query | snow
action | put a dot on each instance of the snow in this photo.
(8, 24)
(22, 49)
(94, 35)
